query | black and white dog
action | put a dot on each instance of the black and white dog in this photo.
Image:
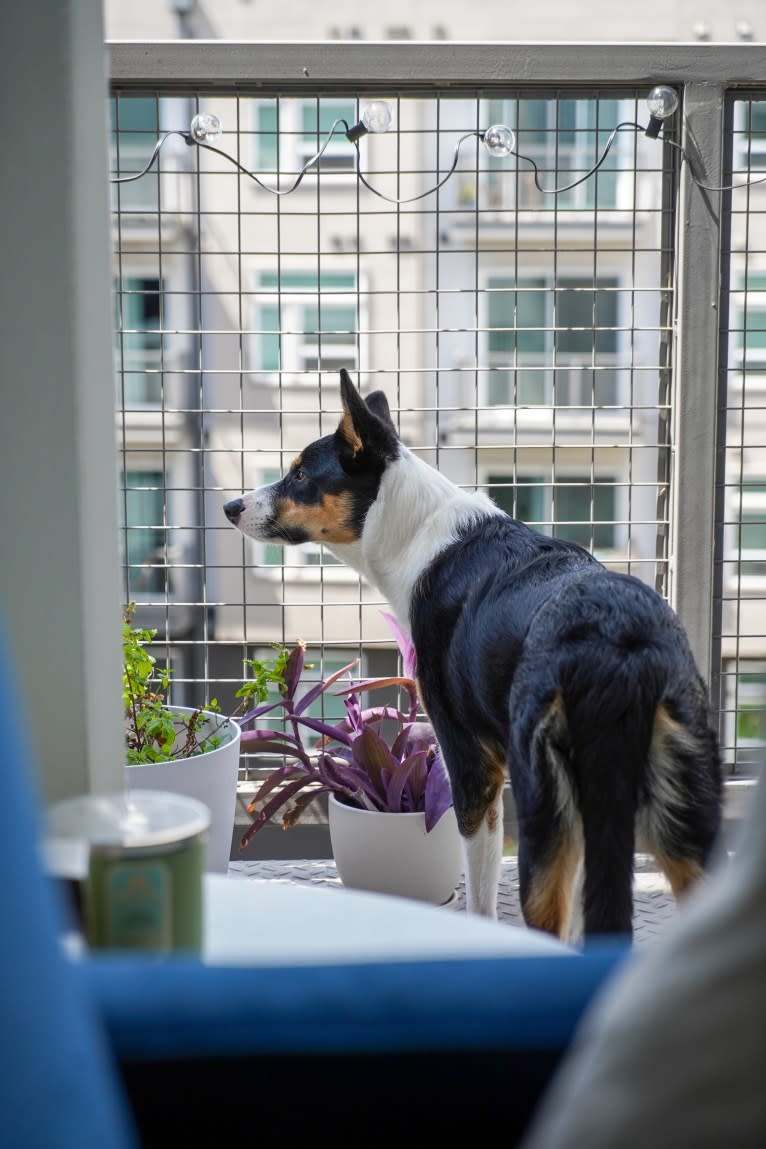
(532, 658)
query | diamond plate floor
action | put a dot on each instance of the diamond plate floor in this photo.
(654, 905)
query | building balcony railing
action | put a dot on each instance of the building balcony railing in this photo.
(556, 349)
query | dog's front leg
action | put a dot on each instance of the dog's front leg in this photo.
(483, 849)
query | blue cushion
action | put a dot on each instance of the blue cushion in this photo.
(180, 1007)
(407, 1051)
(58, 1085)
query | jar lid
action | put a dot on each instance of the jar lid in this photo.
(130, 819)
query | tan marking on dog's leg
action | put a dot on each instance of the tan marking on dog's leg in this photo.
(482, 831)
(549, 904)
(682, 873)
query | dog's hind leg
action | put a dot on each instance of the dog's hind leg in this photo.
(550, 834)
(483, 852)
(480, 819)
(548, 872)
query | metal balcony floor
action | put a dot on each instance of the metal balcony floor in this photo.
(654, 906)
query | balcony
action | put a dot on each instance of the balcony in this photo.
(557, 347)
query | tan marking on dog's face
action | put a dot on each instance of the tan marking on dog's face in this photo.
(549, 903)
(325, 522)
(349, 433)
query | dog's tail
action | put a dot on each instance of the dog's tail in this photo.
(608, 771)
(616, 715)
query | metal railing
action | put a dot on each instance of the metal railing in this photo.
(593, 359)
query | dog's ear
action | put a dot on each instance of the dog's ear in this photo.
(378, 404)
(366, 427)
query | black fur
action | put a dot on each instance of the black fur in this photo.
(535, 660)
(523, 620)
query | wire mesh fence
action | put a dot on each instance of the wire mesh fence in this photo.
(741, 511)
(518, 311)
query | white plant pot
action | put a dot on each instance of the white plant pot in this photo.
(393, 854)
(210, 778)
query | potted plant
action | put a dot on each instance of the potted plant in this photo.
(392, 823)
(185, 750)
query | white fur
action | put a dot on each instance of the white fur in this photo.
(483, 857)
(416, 515)
(258, 509)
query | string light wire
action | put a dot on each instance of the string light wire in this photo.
(503, 139)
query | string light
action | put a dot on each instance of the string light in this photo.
(662, 102)
(205, 128)
(499, 142)
(376, 117)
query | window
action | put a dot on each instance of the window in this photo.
(574, 509)
(305, 323)
(139, 300)
(746, 713)
(564, 138)
(552, 341)
(750, 538)
(142, 534)
(289, 133)
(750, 132)
(749, 329)
(135, 129)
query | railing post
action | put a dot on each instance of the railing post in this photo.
(696, 400)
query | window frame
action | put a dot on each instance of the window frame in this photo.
(548, 155)
(551, 358)
(295, 146)
(541, 489)
(154, 480)
(292, 349)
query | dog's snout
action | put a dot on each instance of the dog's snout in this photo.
(233, 509)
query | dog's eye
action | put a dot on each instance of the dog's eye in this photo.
(300, 475)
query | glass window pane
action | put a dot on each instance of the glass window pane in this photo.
(752, 532)
(523, 500)
(141, 341)
(572, 512)
(267, 140)
(308, 281)
(141, 533)
(268, 340)
(136, 117)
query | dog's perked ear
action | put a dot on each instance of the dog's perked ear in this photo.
(366, 429)
(378, 404)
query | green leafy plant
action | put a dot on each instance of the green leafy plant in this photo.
(153, 731)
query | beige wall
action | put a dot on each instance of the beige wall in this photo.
(561, 20)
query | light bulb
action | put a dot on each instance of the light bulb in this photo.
(205, 128)
(499, 141)
(377, 116)
(662, 102)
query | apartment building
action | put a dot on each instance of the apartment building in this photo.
(518, 314)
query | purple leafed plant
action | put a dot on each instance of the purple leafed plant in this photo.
(377, 758)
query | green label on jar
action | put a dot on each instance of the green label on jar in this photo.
(152, 901)
(139, 906)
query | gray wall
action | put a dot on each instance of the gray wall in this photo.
(58, 492)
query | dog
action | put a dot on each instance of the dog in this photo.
(533, 660)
